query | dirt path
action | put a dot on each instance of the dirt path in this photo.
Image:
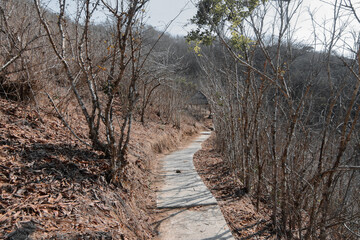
(189, 209)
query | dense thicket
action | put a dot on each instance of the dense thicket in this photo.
(113, 71)
(285, 116)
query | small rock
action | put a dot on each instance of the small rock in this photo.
(23, 233)
(178, 171)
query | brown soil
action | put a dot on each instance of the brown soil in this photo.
(49, 177)
(237, 206)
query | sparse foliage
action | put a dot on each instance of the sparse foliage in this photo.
(286, 120)
(108, 67)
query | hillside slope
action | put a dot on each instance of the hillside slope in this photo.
(57, 186)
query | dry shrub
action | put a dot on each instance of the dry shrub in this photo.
(171, 137)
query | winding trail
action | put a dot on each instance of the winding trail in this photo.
(193, 211)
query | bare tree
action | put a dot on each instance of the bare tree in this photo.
(19, 36)
(288, 141)
(113, 66)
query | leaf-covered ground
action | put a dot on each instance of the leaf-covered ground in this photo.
(238, 207)
(50, 179)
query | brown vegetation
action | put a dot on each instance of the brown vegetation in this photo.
(85, 109)
(51, 178)
(238, 207)
(286, 119)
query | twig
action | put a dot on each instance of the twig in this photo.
(345, 168)
(64, 121)
(356, 234)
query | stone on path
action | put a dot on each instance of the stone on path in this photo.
(183, 190)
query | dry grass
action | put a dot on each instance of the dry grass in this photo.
(48, 176)
(237, 206)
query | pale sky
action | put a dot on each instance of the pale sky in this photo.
(161, 12)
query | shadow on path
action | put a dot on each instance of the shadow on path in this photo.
(190, 210)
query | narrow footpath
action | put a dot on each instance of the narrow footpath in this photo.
(194, 213)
